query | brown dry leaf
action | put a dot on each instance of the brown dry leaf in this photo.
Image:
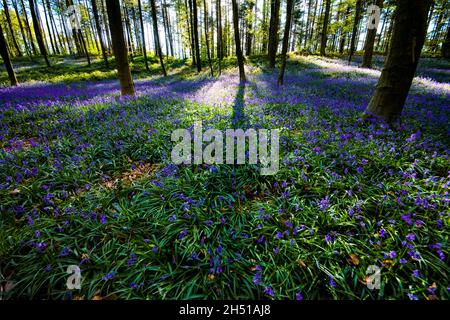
(353, 259)
(432, 297)
(15, 192)
(112, 296)
(301, 263)
(97, 295)
(211, 276)
(387, 263)
(85, 256)
(79, 298)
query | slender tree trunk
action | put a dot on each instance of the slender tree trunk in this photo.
(27, 25)
(144, 49)
(219, 34)
(169, 28)
(191, 28)
(237, 40)
(49, 30)
(355, 29)
(446, 44)
(307, 23)
(323, 41)
(6, 60)
(369, 44)
(249, 22)
(410, 24)
(8, 20)
(22, 30)
(37, 31)
(196, 38)
(311, 32)
(205, 14)
(99, 31)
(157, 42)
(120, 47)
(287, 28)
(64, 27)
(273, 32)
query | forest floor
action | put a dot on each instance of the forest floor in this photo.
(86, 179)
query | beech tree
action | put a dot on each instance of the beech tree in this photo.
(6, 60)
(410, 24)
(119, 47)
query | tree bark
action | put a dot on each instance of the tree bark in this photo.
(156, 34)
(323, 41)
(287, 28)
(99, 31)
(355, 29)
(249, 22)
(38, 34)
(446, 44)
(22, 30)
(144, 49)
(27, 24)
(205, 12)
(13, 37)
(273, 31)
(369, 43)
(6, 60)
(410, 24)
(219, 34)
(237, 40)
(120, 47)
(196, 39)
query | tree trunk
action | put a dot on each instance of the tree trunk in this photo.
(27, 24)
(219, 34)
(323, 41)
(144, 49)
(355, 29)
(6, 60)
(205, 12)
(22, 30)
(287, 28)
(446, 44)
(273, 31)
(249, 22)
(49, 30)
(410, 24)
(237, 40)
(38, 34)
(156, 34)
(120, 47)
(196, 39)
(99, 31)
(369, 44)
(191, 28)
(8, 20)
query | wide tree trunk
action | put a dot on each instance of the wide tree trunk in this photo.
(156, 35)
(237, 40)
(196, 38)
(99, 31)
(369, 44)
(119, 47)
(273, 31)
(410, 24)
(287, 28)
(6, 60)
(38, 33)
(446, 44)
(323, 41)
